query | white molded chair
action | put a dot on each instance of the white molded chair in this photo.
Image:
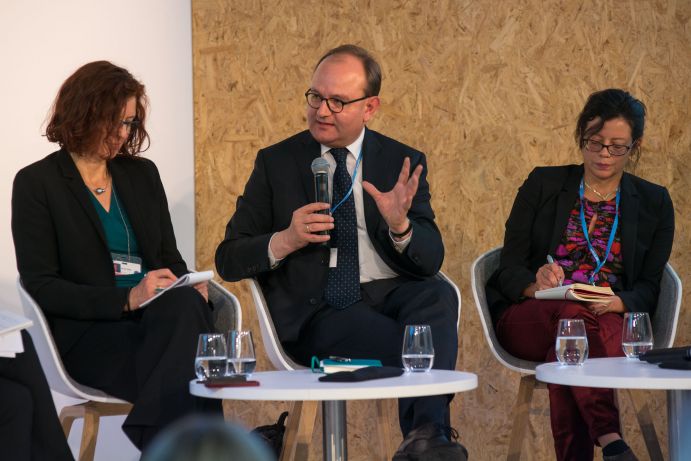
(299, 430)
(227, 315)
(97, 404)
(664, 324)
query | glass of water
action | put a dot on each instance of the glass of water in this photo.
(572, 343)
(211, 356)
(241, 358)
(418, 350)
(637, 334)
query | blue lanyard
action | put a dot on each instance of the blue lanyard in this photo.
(599, 263)
(352, 183)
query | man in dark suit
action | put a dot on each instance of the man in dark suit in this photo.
(351, 292)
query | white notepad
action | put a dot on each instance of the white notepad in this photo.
(188, 279)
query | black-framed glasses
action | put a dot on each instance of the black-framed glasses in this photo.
(335, 105)
(614, 149)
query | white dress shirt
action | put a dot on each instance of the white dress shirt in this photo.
(372, 267)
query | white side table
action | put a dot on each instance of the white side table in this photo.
(304, 385)
(623, 373)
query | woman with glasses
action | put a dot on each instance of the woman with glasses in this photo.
(599, 225)
(94, 241)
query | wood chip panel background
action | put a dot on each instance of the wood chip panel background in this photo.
(488, 90)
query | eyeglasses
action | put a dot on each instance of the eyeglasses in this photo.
(335, 105)
(614, 149)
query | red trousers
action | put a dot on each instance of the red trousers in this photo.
(579, 415)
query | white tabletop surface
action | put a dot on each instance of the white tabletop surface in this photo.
(304, 385)
(615, 372)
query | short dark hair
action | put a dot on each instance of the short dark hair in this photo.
(607, 105)
(88, 109)
(372, 68)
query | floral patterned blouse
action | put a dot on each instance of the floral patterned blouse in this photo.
(573, 255)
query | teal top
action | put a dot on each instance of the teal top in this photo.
(117, 227)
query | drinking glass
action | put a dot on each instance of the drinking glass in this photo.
(637, 334)
(572, 343)
(418, 350)
(211, 356)
(241, 359)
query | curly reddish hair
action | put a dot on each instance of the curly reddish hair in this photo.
(88, 109)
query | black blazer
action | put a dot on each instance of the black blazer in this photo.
(539, 217)
(282, 182)
(60, 244)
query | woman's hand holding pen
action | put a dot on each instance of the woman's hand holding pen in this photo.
(549, 275)
(152, 281)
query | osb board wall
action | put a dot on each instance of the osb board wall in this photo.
(488, 90)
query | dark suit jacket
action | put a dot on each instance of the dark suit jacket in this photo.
(61, 249)
(539, 217)
(282, 182)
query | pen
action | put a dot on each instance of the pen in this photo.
(550, 260)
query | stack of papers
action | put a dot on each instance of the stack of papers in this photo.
(577, 292)
(11, 325)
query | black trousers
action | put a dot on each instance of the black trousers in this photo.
(373, 328)
(29, 426)
(147, 358)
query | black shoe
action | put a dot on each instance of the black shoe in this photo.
(430, 443)
(626, 456)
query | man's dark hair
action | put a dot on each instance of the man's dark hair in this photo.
(372, 69)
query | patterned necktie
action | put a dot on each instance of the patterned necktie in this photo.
(343, 285)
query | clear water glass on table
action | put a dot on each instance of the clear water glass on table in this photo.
(211, 356)
(572, 342)
(418, 350)
(241, 358)
(637, 334)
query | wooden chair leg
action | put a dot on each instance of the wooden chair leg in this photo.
(91, 412)
(290, 436)
(384, 430)
(68, 415)
(87, 449)
(298, 436)
(519, 416)
(645, 421)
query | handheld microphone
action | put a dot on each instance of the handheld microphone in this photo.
(320, 169)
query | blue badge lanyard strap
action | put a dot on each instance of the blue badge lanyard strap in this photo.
(599, 263)
(352, 183)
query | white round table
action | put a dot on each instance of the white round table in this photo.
(304, 385)
(624, 373)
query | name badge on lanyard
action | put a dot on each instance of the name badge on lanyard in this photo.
(125, 264)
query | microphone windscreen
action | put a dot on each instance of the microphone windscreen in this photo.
(320, 165)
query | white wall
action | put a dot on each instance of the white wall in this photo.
(43, 42)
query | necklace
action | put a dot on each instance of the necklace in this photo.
(604, 197)
(101, 190)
